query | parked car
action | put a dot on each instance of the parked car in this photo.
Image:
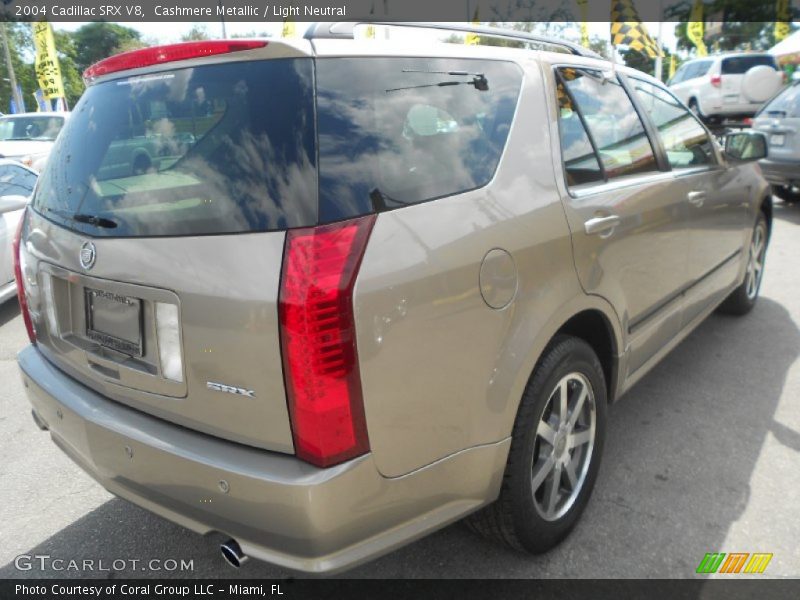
(386, 287)
(28, 137)
(779, 120)
(727, 86)
(16, 186)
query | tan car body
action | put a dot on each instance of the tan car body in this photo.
(455, 301)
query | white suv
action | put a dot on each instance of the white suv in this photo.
(727, 85)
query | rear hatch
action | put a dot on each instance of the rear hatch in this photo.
(780, 121)
(158, 227)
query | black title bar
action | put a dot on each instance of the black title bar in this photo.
(377, 10)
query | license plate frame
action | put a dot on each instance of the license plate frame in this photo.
(114, 321)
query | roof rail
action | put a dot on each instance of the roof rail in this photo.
(344, 30)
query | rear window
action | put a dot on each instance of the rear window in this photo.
(785, 104)
(44, 128)
(215, 149)
(739, 65)
(399, 131)
(233, 148)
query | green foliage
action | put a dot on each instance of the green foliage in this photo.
(20, 45)
(746, 25)
(96, 41)
(252, 34)
(195, 34)
(70, 74)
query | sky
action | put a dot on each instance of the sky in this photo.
(167, 32)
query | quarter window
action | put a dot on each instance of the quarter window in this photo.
(580, 160)
(618, 134)
(686, 142)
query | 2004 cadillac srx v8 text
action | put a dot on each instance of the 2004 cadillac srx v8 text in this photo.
(361, 290)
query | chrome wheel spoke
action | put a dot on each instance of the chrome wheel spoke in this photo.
(572, 475)
(551, 490)
(576, 410)
(546, 432)
(581, 438)
(563, 396)
(541, 471)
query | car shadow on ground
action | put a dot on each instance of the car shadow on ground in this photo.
(680, 452)
(8, 310)
(787, 211)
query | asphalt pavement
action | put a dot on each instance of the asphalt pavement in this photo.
(703, 455)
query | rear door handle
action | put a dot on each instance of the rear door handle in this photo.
(697, 198)
(601, 224)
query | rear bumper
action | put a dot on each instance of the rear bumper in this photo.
(781, 172)
(278, 508)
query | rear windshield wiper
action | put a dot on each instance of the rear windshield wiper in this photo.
(84, 218)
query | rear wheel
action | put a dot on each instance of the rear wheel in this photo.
(743, 298)
(555, 451)
(694, 106)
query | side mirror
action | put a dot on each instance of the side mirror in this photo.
(745, 146)
(11, 203)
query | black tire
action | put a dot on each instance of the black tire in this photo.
(743, 298)
(141, 164)
(787, 194)
(516, 518)
(695, 108)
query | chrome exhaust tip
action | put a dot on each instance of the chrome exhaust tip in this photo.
(232, 553)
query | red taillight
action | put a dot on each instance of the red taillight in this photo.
(318, 340)
(23, 300)
(716, 80)
(164, 54)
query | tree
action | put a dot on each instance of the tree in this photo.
(70, 74)
(746, 25)
(195, 34)
(20, 44)
(252, 34)
(96, 41)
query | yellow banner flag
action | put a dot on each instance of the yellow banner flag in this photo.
(628, 30)
(472, 39)
(783, 16)
(695, 28)
(48, 71)
(288, 29)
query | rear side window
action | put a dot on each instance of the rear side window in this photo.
(701, 68)
(400, 131)
(214, 149)
(739, 65)
(686, 142)
(785, 104)
(614, 126)
(580, 161)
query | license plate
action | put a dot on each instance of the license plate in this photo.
(114, 321)
(731, 99)
(776, 139)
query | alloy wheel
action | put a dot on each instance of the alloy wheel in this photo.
(563, 446)
(755, 261)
